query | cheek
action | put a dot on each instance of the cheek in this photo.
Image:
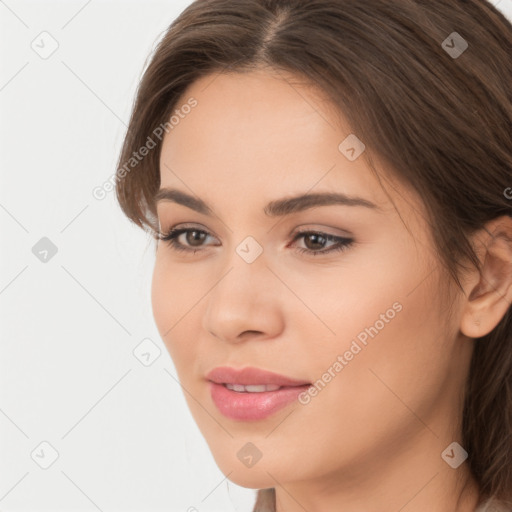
(170, 300)
(373, 403)
(390, 337)
(160, 298)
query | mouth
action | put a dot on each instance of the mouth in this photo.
(254, 388)
(251, 393)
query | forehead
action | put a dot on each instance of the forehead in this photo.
(261, 132)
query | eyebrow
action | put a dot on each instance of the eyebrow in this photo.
(276, 208)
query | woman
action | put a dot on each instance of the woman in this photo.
(330, 185)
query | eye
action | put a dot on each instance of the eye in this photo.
(312, 238)
(195, 237)
(172, 238)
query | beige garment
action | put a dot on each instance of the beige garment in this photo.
(492, 505)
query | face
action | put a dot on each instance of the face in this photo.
(341, 296)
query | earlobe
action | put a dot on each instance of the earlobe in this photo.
(490, 291)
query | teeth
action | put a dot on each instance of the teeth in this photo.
(259, 388)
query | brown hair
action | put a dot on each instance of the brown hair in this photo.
(442, 120)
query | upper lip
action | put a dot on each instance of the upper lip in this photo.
(250, 376)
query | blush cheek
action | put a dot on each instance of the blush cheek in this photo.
(175, 321)
(164, 298)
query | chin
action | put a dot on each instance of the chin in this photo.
(255, 477)
(251, 479)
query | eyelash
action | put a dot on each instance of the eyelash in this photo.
(342, 243)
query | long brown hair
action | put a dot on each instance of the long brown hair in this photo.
(428, 86)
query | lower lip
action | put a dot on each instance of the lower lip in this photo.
(253, 406)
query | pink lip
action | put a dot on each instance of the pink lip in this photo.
(245, 406)
(250, 375)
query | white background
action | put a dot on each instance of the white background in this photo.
(68, 376)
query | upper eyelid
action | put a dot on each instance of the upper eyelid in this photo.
(342, 233)
(299, 230)
(182, 229)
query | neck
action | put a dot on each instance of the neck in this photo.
(407, 477)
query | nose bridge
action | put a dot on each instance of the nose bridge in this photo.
(245, 268)
(242, 298)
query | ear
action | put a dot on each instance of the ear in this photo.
(489, 292)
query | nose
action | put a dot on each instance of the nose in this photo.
(245, 303)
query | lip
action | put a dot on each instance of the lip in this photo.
(244, 406)
(251, 376)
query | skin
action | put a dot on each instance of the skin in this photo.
(372, 438)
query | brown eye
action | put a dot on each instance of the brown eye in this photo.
(314, 241)
(195, 237)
